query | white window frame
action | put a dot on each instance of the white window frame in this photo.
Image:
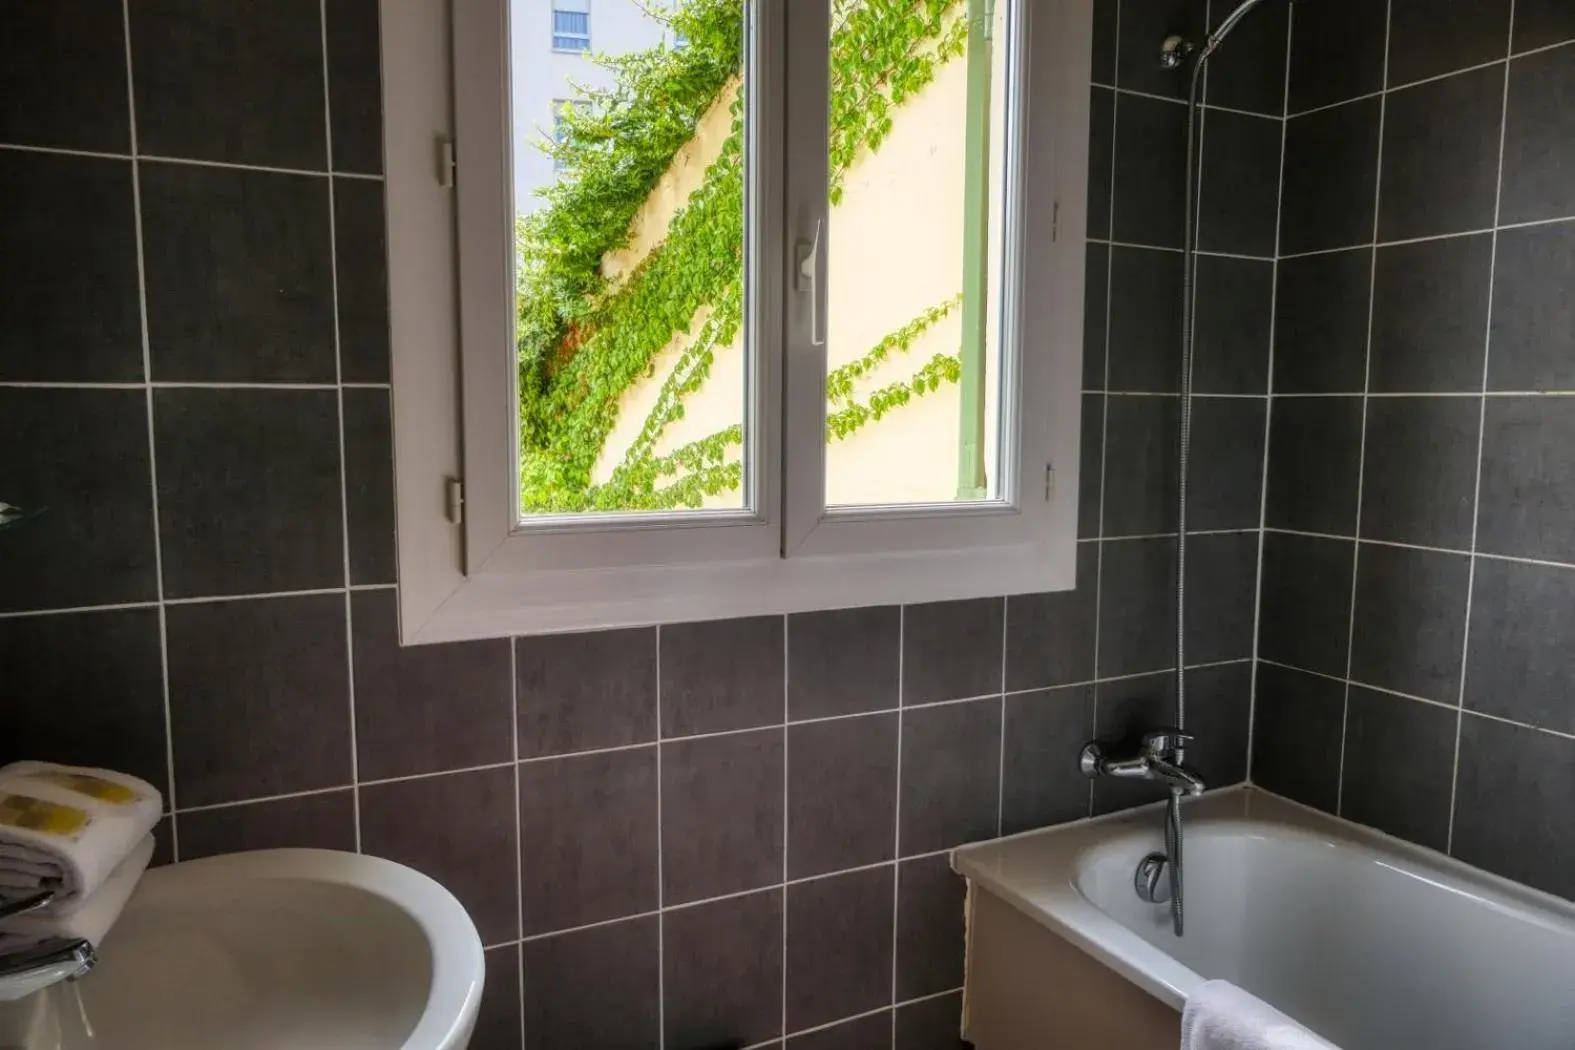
(582, 8)
(454, 393)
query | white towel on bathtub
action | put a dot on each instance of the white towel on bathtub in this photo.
(1220, 1016)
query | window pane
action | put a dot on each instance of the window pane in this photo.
(629, 179)
(914, 365)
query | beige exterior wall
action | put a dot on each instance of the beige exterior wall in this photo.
(895, 249)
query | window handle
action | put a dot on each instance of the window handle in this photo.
(807, 279)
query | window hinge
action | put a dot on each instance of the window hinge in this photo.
(1049, 482)
(448, 167)
(454, 500)
(1055, 220)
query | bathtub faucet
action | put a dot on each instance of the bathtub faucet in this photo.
(1157, 760)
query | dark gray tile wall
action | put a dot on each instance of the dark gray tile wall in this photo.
(1419, 569)
(708, 834)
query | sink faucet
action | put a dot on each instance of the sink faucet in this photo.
(43, 962)
(1157, 760)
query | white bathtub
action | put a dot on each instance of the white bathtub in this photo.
(1372, 943)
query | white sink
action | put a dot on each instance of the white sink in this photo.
(289, 949)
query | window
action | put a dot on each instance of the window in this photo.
(763, 339)
(563, 110)
(571, 27)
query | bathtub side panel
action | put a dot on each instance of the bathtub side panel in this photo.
(1028, 989)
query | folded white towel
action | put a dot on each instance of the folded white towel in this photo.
(66, 828)
(1220, 1016)
(92, 918)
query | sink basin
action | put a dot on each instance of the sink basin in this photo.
(270, 950)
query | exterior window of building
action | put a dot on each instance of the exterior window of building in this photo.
(571, 29)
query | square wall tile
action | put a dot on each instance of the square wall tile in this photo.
(1219, 708)
(1428, 38)
(1330, 176)
(1408, 799)
(841, 794)
(861, 1033)
(68, 262)
(952, 650)
(951, 762)
(578, 692)
(425, 708)
(588, 839)
(1137, 607)
(1430, 315)
(721, 675)
(63, 76)
(1145, 320)
(1419, 477)
(1240, 183)
(1090, 468)
(1521, 663)
(81, 456)
(1040, 781)
(238, 82)
(457, 828)
(1225, 487)
(321, 821)
(259, 697)
(1140, 465)
(1050, 636)
(1540, 23)
(1251, 74)
(1410, 620)
(1235, 314)
(1533, 336)
(498, 1023)
(1527, 495)
(355, 85)
(839, 945)
(1337, 51)
(722, 971)
(361, 273)
(1137, 67)
(1105, 33)
(1304, 617)
(239, 274)
(1418, 145)
(1148, 196)
(1320, 330)
(931, 934)
(1101, 142)
(931, 1024)
(596, 988)
(369, 485)
(722, 813)
(842, 661)
(248, 490)
(1539, 138)
(94, 689)
(1512, 804)
(1096, 310)
(1298, 726)
(1222, 592)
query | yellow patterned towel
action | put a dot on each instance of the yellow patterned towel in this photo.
(66, 828)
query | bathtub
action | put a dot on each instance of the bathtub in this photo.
(1372, 943)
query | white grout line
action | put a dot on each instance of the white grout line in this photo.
(1268, 415)
(661, 924)
(1427, 238)
(1367, 375)
(75, 610)
(339, 398)
(167, 384)
(1210, 253)
(134, 156)
(153, 459)
(1182, 102)
(519, 826)
(1476, 492)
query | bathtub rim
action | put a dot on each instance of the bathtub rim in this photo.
(1047, 891)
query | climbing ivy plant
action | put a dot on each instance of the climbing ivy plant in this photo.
(585, 338)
